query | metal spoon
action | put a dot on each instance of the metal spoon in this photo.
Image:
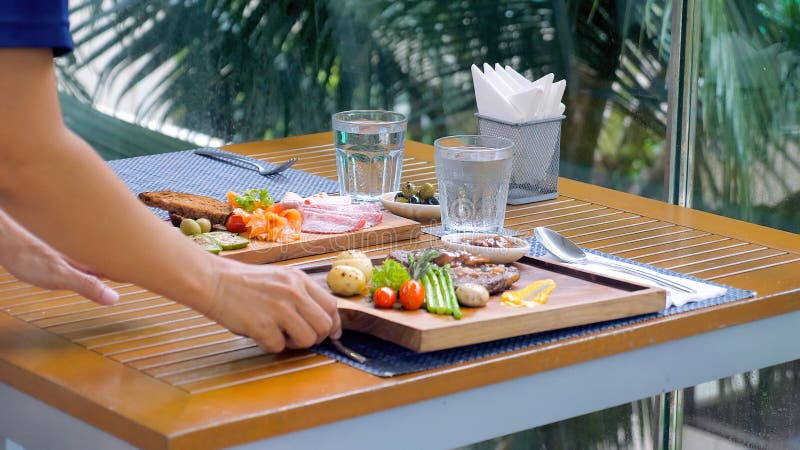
(567, 251)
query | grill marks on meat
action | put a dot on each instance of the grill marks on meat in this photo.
(468, 268)
(321, 218)
(188, 205)
(495, 278)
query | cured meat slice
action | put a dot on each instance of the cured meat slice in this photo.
(323, 213)
(371, 214)
(328, 222)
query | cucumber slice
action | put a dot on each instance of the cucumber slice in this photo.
(209, 244)
(227, 240)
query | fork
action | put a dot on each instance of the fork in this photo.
(352, 354)
(261, 170)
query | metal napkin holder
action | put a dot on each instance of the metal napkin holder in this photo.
(537, 145)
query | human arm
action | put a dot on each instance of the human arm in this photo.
(89, 215)
(29, 259)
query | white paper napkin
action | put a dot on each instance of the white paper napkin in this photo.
(504, 94)
(703, 291)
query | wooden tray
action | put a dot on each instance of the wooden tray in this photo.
(392, 228)
(579, 298)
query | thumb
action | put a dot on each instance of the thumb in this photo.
(90, 287)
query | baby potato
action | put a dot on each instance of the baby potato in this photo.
(357, 259)
(346, 280)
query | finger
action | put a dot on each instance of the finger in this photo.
(313, 312)
(329, 304)
(321, 296)
(88, 286)
(299, 330)
(336, 329)
(270, 338)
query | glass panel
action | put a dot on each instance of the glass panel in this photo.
(747, 142)
(233, 71)
(756, 409)
(631, 426)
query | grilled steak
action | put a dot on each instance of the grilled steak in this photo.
(188, 205)
(468, 268)
(495, 278)
(445, 257)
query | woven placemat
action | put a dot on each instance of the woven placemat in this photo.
(387, 359)
(185, 171)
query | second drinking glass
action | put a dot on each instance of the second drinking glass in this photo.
(473, 172)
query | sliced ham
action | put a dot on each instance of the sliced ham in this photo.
(371, 214)
(323, 213)
(327, 222)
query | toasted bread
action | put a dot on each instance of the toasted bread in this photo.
(191, 206)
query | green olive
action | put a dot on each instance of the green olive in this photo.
(190, 227)
(401, 199)
(427, 191)
(409, 189)
(205, 225)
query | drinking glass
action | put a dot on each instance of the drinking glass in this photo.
(369, 152)
(474, 173)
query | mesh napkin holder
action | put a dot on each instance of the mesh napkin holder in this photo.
(537, 145)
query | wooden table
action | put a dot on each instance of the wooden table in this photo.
(150, 373)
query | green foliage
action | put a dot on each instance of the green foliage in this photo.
(749, 108)
(243, 71)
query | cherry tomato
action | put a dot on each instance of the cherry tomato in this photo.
(384, 297)
(235, 224)
(412, 294)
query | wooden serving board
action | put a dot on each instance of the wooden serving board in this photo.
(579, 298)
(392, 228)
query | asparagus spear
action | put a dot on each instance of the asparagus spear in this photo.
(450, 291)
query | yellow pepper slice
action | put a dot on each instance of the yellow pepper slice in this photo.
(531, 295)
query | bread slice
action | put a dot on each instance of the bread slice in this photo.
(191, 206)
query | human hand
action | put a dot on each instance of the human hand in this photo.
(278, 307)
(31, 260)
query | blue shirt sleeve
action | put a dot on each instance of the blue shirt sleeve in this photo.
(35, 24)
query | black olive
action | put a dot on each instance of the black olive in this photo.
(433, 201)
(414, 200)
(398, 196)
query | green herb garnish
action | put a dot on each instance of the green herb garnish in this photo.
(251, 199)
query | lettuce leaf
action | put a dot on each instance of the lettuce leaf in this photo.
(251, 199)
(391, 273)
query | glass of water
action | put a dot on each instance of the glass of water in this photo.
(369, 152)
(474, 173)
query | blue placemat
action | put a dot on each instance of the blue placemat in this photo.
(186, 172)
(387, 359)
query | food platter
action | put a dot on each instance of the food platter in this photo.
(579, 298)
(391, 229)
(419, 212)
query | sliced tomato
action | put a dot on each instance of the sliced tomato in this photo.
(384, 297)
(235, 224)
(412, 294)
